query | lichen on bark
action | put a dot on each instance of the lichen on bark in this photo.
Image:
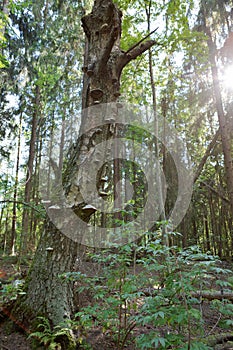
(48, 294)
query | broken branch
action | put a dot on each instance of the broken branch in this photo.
(213, 295)
(140, 41)
(134, 53)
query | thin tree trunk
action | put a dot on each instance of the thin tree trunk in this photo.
(6, 232)
(116, 182)
(30, 167)
(14, 210)
(207, 234)
(3, 215)
(156, 131)
(36, 197)
(5, 8)
(225, 134)
(213, 224)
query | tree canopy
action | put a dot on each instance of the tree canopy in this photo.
(171, 59)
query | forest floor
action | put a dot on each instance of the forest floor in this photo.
(14, 339)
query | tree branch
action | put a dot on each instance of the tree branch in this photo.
(138, 50)
(23, 203)
(206, 155)
(211, 295)
(216, 192)
(140, 41)
(133, 53)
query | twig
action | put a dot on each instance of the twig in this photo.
(213, 328)
(23, 203)
(129, 329)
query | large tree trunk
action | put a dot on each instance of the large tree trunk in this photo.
(47, 293)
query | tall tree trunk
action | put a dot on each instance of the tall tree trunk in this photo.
(156, 132)
(207, 233)
(4, 214)
(34, 219)
(225, 133)
(29, 181)
(14, 210)
(48, 294)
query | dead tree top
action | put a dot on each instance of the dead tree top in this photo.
(103, 56)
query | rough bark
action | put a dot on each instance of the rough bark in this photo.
(103, 64)
(47, 294)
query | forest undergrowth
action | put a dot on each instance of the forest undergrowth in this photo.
(136, 297)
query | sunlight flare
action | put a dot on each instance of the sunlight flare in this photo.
(227, 77)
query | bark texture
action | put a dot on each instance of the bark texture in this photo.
(103, 64)
(47, 294)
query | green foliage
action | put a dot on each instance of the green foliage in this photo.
(11, 291)
(225, 310)
(172, 305)
(48, 335)
(42, 44)
(115, 294)
(161, 298)
(3, 22)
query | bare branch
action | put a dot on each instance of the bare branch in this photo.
(211, 295)
(206, 155)
(220, 195)
(138, 50)
(140, 41)
(132, 54)
(23, 203)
